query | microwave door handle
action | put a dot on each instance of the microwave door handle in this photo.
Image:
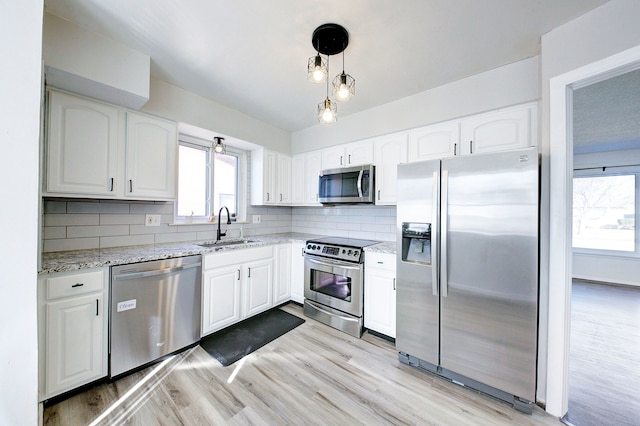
(360, 175)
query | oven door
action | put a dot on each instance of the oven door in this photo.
(334, 283)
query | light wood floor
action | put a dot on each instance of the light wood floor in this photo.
(604, 360)
(313, 375)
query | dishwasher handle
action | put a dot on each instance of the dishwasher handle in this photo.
(154, 272)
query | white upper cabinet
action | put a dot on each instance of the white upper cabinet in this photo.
(505, 129)
(433, 142)
(96, 150)
(82, 148)
(390, 151)
(297, 183)
(351, 154)
(305, 169)
(150, 157)
(270, 178)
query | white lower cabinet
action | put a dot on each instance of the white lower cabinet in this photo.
(282, 280)
(233, 290)
(72, 330)
(220, 298)
(297, 272)
(380, 293)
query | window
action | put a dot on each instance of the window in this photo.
(604, 212)
(207, 181)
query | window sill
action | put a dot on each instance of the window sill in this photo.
(206, 222)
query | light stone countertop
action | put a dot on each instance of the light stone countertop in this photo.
(96, 258)
(385, 247)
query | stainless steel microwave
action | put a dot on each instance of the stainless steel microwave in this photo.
(349, 185)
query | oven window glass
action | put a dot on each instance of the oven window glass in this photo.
(333, 285)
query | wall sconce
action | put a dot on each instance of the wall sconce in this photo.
(219, 147)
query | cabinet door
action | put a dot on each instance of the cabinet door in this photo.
(312, 169)
(380, 301)
(333, 157)
(297, 272)
(497, 131)
(389, 152)
(75, 351)
(283, 177)
(358, 153)
(282, 279)
(82, 147)
(258, 286)
(150, 157)
(298, 173)
(220, 298)
(434, 142)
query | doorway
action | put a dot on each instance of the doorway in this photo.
(561, 186)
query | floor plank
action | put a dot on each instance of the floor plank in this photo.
(604, 360)
(313, 375)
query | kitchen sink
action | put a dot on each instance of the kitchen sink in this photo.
(213, 244)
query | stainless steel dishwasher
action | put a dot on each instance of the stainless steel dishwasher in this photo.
(155, 310)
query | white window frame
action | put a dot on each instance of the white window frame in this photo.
(241, 191)
(615, 171)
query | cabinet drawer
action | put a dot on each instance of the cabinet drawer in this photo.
(235, 256)
(385, 261)
(74, 284)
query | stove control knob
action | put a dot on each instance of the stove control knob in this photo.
(349, 252)
(343, 251)
(308, 246)
(355, 252)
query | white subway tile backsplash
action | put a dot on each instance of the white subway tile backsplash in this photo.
(145, 230)
(97, 207)
(129, 240)
(71, 219)
(51, 206)
(96, 231)
(151, 208)
(122, 219)
(71, 244)
(55, 232)
(175, 237)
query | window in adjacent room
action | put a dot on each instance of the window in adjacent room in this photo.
(207, 181)
(605, 208)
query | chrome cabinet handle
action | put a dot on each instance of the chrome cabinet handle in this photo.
(249, 269)
(394, 284)
(455, 146)
(280, 197)
(267, 196)
(378, 195)
(238, 274)
(97, 307)
(111, 188)
(77, 285)
(349, 158)
(130, 185)
(471, 147)
(341, 161)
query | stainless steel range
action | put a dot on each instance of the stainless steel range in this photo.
(334, 282)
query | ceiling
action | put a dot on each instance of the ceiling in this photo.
(251, 55)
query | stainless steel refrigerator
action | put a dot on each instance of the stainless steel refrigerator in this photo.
(467, 271)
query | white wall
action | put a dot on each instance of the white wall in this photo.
(20, 79)
(508, 85)
(177, 104)
(605, 31)
(89, 63)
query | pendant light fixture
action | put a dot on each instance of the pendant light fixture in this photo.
(219, 147)
(330, 39)
(327, 111)
(344, 86)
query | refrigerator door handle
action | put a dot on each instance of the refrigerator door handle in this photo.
(444, 214)
(435, 234)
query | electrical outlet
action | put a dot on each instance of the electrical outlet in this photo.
(152, 220)
(256, 218)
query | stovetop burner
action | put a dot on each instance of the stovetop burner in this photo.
(346, 249)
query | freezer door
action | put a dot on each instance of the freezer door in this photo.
(489, 276)
(417, 303)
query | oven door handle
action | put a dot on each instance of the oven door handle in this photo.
(342, 317)
(333, 263)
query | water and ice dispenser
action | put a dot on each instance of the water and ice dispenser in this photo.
(416, 242)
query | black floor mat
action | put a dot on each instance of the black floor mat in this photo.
(239, 340)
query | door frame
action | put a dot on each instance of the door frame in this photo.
(560, 213)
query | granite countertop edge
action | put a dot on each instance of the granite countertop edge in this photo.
(387, 247)
(96, 258)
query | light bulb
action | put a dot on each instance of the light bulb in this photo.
(343, 92)
(318, 74)
(327, 115)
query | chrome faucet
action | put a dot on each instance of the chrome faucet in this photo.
(221, 234)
